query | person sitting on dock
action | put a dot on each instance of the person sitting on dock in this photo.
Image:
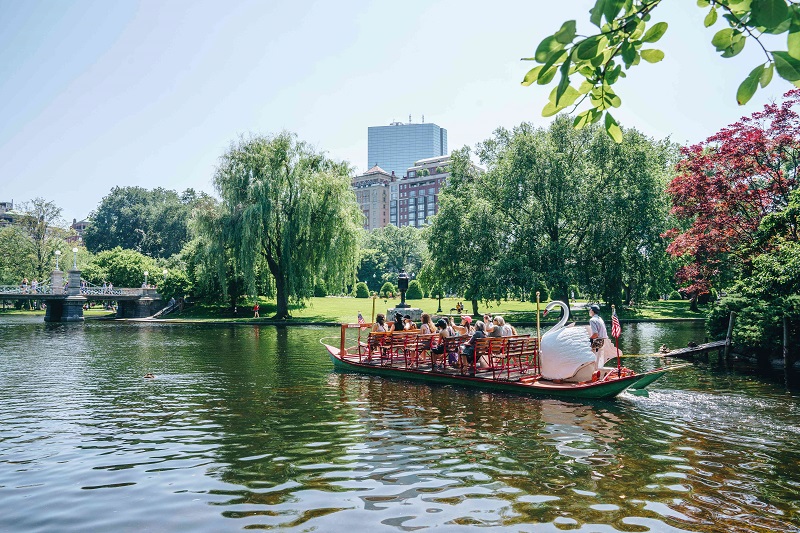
(408, 324)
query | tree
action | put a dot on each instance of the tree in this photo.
(599, 59)
(556, 207)
(463, 252)
(287, 212)
(395, 250)
(624, 257)
(41, 221)
(154, 223)
(20, 264)
(123, 268)
(725, 187)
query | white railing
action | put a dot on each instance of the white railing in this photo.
(26, 291)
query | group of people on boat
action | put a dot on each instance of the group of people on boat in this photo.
(445, 328)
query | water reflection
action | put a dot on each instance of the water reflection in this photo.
(250, 428)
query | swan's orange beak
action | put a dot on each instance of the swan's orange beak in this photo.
(545, 313)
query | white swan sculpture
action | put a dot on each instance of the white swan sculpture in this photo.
(565, 351)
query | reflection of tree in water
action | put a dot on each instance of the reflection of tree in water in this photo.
(296, 443)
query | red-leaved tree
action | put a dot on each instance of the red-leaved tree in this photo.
(726, 185)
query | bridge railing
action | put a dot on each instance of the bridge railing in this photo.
(11, 290)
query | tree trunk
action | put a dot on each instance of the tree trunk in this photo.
(282, 298)
(693, 303)
(474, 307)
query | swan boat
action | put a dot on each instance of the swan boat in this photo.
(565, 367)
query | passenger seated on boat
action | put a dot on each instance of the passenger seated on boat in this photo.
(493, 327)
(506, 330)
(408, 324)
(445, 331)
(467, 359)
(466, 326)
(398, 324)
(380, 324)
(426, 326)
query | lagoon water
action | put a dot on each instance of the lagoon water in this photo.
(249, 428)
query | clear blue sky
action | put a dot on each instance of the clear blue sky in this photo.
(95, 94)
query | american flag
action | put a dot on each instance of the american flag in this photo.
(361, 318)
(616, 329)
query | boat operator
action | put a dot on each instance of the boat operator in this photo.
(597, 328)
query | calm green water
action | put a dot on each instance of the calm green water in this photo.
(249, 428)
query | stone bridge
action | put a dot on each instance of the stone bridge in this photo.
(65, 302)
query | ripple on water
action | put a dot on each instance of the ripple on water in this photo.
(249, 428)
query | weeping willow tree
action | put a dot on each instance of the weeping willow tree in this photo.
(287, 218)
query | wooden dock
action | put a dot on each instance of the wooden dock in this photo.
(704, 348)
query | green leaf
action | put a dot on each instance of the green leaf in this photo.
(569, 96)
(702, 3)
(590, 116)
(652, 55)
(546, 75)
(711, 18)
(596, 13)
(531, 76)
(550, 109)
(613, 129)
(585, 87)
(564, 82)
(590, 47)
(769, 13)
(749, 85)
(566, 34)
(613, 74)
(655, 33)
(793, 43)
(611, 9)
(547, 47)
(722, 39)
(628, 53)
(787, 66)
(766, 76)
(736, 46)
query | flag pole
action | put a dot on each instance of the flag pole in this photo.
(538, 335)
(616, 339)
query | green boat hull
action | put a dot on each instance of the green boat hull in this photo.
(599, 390)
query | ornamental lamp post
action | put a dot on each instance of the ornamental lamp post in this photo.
(440, 302)
(58, 254)
(75, 259)
(402, 286)
(165, 274)
(145, 278)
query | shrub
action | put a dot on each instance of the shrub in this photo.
(675, 295)
(362, 291)
(414, 291)
(387, 289)
(320, 290)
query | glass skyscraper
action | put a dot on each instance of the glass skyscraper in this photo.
(397, 146)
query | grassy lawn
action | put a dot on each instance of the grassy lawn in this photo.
(338, 309)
